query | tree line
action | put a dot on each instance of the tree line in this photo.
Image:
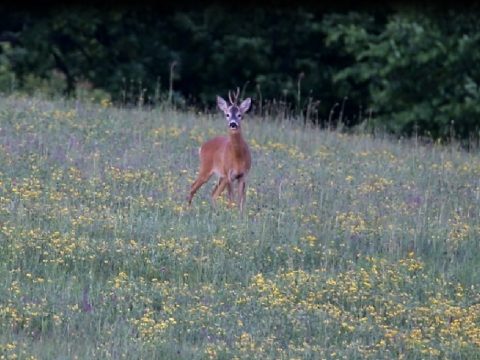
(403, 69)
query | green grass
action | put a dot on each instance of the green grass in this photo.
(350, 246)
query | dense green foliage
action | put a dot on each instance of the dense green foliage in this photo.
(350, 246)
(401, 69)
(421, 71)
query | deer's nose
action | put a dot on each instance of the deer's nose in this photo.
(233, 125)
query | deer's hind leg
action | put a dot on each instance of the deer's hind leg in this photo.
(201, 179)
(217, 185)
(230, 194)
(222, 183)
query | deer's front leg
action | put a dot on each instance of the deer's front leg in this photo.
(241, 192)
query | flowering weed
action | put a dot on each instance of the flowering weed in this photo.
(350, 246)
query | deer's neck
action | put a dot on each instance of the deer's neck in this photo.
(239, 146)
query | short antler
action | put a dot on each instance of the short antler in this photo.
(235, 96)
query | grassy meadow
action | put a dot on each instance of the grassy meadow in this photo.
(350, 246)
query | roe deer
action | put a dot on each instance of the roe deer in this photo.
(227, 156)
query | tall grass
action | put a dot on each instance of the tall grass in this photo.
(350, 246)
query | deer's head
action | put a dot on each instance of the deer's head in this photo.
(233, 112)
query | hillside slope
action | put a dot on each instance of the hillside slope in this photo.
(350, 247)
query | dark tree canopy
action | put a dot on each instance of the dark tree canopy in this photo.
(408, 69)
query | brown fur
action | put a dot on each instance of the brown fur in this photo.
(227, 156)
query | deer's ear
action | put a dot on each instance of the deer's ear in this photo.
(222, 104)
(245, 105)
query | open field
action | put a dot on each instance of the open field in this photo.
(350, 246)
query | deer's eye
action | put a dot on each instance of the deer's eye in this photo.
(239, 116)
(228, 115)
